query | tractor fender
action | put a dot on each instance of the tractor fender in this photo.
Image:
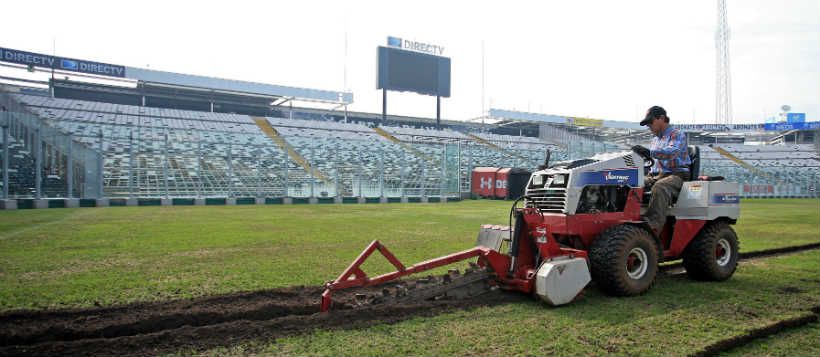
(686, 230)
(731, 221)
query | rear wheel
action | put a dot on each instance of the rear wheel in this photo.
(624, 260)
(713, 254)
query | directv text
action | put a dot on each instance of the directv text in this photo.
(40, 60)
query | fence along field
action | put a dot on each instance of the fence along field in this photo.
(82, 258)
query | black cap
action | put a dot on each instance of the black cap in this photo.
(652, 113)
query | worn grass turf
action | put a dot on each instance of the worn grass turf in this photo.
(677, 317)
(84, 257)
(802, 341)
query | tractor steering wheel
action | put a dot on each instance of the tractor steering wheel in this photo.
(648, 162)
(645, 154)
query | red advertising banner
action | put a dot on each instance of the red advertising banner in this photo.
(483, 181)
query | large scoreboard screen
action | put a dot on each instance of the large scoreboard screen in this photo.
(410, 71)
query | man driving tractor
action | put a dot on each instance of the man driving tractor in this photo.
(669, 149)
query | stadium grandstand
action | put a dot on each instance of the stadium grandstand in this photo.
(168, 138)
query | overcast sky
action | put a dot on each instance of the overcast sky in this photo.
(598, 59)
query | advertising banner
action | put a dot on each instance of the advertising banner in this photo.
(793, 118)
(792, 126)
(483, 181)
(586, 122)
(60, 63)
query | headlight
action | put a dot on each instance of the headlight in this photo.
(559, 180)
(538, 180)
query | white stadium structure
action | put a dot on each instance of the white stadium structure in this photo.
(155, 137)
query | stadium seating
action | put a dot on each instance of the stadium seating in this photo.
(156, 152)
(792, 166)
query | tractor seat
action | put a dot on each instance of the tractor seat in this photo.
(694, 167)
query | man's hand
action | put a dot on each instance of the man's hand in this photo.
(640, 150)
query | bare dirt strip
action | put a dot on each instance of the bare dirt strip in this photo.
(777, 327)
(202, 323)
(198, 324)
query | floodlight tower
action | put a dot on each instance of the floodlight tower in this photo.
(723, 87)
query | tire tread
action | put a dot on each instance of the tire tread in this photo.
(698, 257)
(604, 254)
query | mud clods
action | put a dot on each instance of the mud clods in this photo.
(198, 324)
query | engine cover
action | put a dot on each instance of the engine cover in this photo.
(559, 280)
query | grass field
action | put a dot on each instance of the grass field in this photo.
(84, 257)
(677, 317)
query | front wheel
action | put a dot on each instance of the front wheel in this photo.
(624, 260)
(713, 254)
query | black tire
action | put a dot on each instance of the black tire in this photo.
(713, 254)
(624, 260)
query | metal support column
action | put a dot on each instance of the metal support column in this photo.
(101, 167)
(359, 174)
(230, 171)
(200, 182)
(403, 173)
(285, 174)
(384, 106)
(423, 180)
(443, 172)
(458, 170)
(6, 127)
(138, 177)
(130, 164)
(165, 165)
(70, 169)
(312, 184)
(259, 174)
(381, 172)
(338, 177)
(438, 113)
(38, 164)
(469, 167)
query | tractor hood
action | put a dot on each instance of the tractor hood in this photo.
(557, 188)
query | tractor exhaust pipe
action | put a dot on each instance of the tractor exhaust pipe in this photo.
(515, 244)
(546, 163)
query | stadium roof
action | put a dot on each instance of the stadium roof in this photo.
(560, 119)
(117, 75)
(194, 81)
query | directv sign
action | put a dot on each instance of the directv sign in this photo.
(815, 125)
(415, 46)
(60, 63)
(793, 118)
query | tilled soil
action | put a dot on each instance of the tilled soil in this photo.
(198, 324)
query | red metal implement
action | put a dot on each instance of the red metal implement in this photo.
(353, 276)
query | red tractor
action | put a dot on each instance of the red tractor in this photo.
(581, 221)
